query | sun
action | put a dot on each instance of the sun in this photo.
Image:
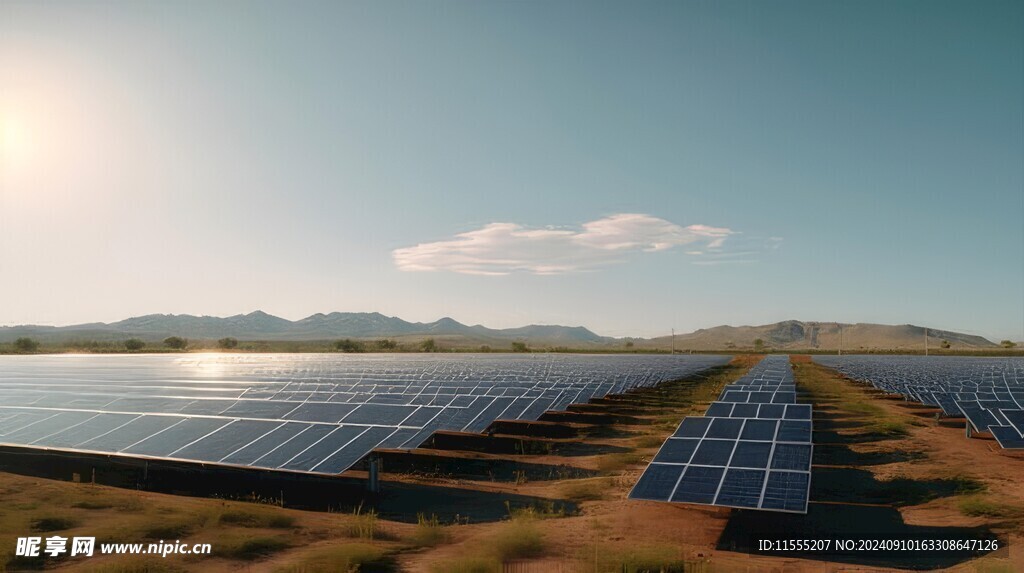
(14, 141)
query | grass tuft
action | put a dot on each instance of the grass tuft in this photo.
(168, 531)
(92, 504)
(251, 548)
(429, 531)
(980, 506)
(467, 565)
(644, 558)
(654, 441)
(519, 538)
(352, 557)
(364, 524)
(615, 463)
(585, 489)
(257, 519)
(137, 565)
(890, 428)
(967, 485)
(52, 523)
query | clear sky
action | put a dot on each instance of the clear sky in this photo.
(628, 166)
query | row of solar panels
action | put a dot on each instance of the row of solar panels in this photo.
(122, 405)
(753, 453)
(988, 392)
(370, 380)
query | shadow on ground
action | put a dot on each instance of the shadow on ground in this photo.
(405, 502)
(841, 455)
(848, 503)
(839, 522)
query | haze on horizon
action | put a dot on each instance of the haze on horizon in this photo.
(626, 167)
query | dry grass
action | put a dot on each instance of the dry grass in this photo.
(585, 489)
(640, 559)
(615, 463)
(467, 565)
(138, 565)
(429, 532)
(266, 518)
(646, 442)
(978, 505)
(248, 548)
(51, 523)
(353, 557)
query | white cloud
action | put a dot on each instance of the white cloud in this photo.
(504, 248)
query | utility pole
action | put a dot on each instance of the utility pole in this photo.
(926, 341)
(673, 341)
(840, 338)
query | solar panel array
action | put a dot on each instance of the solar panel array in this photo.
(307, 413)
(988, 392)
(752, 449)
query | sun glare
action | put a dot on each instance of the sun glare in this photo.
(14, 141)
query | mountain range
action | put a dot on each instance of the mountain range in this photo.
(258, 325)
(798, 335)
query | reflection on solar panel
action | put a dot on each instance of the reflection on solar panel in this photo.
(752, 449)
(988, 392)
(307, 413)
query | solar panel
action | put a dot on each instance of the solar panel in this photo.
(786, 491)
(750, 454)
(1015, 418)
(744, 410)
(720, 409)
(1009, 438)
(658, 482)
(307, 413)
(740, 454)
(984, 390)
(741, 488)
(725, 428)
(759, 430)
(699, 484)
(979, 418)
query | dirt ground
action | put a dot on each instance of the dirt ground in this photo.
(918, 476)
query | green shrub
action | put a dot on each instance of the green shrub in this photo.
(175, 342)
(349, 345)
(134, 344)
(227, 343)
(25, 344)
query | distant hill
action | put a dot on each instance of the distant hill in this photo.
(786, 335)
(262, 326)
(797, 335)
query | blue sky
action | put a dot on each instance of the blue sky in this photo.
(509, 163)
